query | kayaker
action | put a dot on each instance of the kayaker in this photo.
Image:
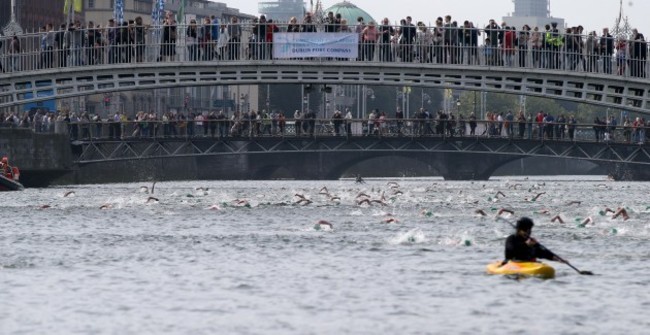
(5, 168)
(521, 247)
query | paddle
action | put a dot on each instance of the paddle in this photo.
(587, 273)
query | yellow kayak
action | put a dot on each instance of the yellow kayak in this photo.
(527, 269)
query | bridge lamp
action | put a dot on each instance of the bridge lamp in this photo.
(425, 97)
(370, 93)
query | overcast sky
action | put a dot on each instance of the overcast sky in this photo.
(592, 14)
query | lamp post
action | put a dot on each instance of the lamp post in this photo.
(483, 105)
(367, 92)
(339, 98)
(425, 97)
(268, 98)
(304, 100)
(402, 95)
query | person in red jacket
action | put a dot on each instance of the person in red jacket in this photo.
(5, 169)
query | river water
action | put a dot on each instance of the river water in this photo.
(245, 258)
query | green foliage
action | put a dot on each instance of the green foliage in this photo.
(500, 102)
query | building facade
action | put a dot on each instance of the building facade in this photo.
(534, 13)
(195, 99)
(534, 8)
(32, 14)
(282, 10)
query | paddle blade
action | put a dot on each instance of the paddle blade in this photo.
(586, 273)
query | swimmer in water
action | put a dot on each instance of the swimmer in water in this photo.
(241, 203)
(69, 193)
(322, 224)
(621, 212)
(106, 206)
(324, 191)
(359, 180)
(392, 184)
(362, 195)
(379, 201)
(557, 218)
(302, 200)
(152, 199)
(363, 201)
(480, 212)
(499, 194)
(334, 198)
(538, 195)
(505, 210)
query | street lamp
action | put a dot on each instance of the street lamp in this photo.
(368, 92)
(268, 97)
(425, 97)
(305, 104)
(306, 91)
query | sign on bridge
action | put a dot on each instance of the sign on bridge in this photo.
(308, 45)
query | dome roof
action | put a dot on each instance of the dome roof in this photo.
(350, 12)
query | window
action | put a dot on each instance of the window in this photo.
(142, 7)
(90, 4)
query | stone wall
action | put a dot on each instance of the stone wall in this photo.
(41, 158)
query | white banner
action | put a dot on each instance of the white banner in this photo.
(306, 45)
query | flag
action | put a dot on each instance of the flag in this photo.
(157, 12)
(118, 11)
(77, 5)
(180, 17)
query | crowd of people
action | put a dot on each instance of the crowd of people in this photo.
(446, 42)
(218, 124)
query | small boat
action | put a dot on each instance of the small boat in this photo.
(9, 184)
(523, 269)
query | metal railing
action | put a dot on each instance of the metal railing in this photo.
(242, 128)
(458, 46)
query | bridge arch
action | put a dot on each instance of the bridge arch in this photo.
(632, 94)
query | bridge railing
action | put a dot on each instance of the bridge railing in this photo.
(490, 46)
(109, 130)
